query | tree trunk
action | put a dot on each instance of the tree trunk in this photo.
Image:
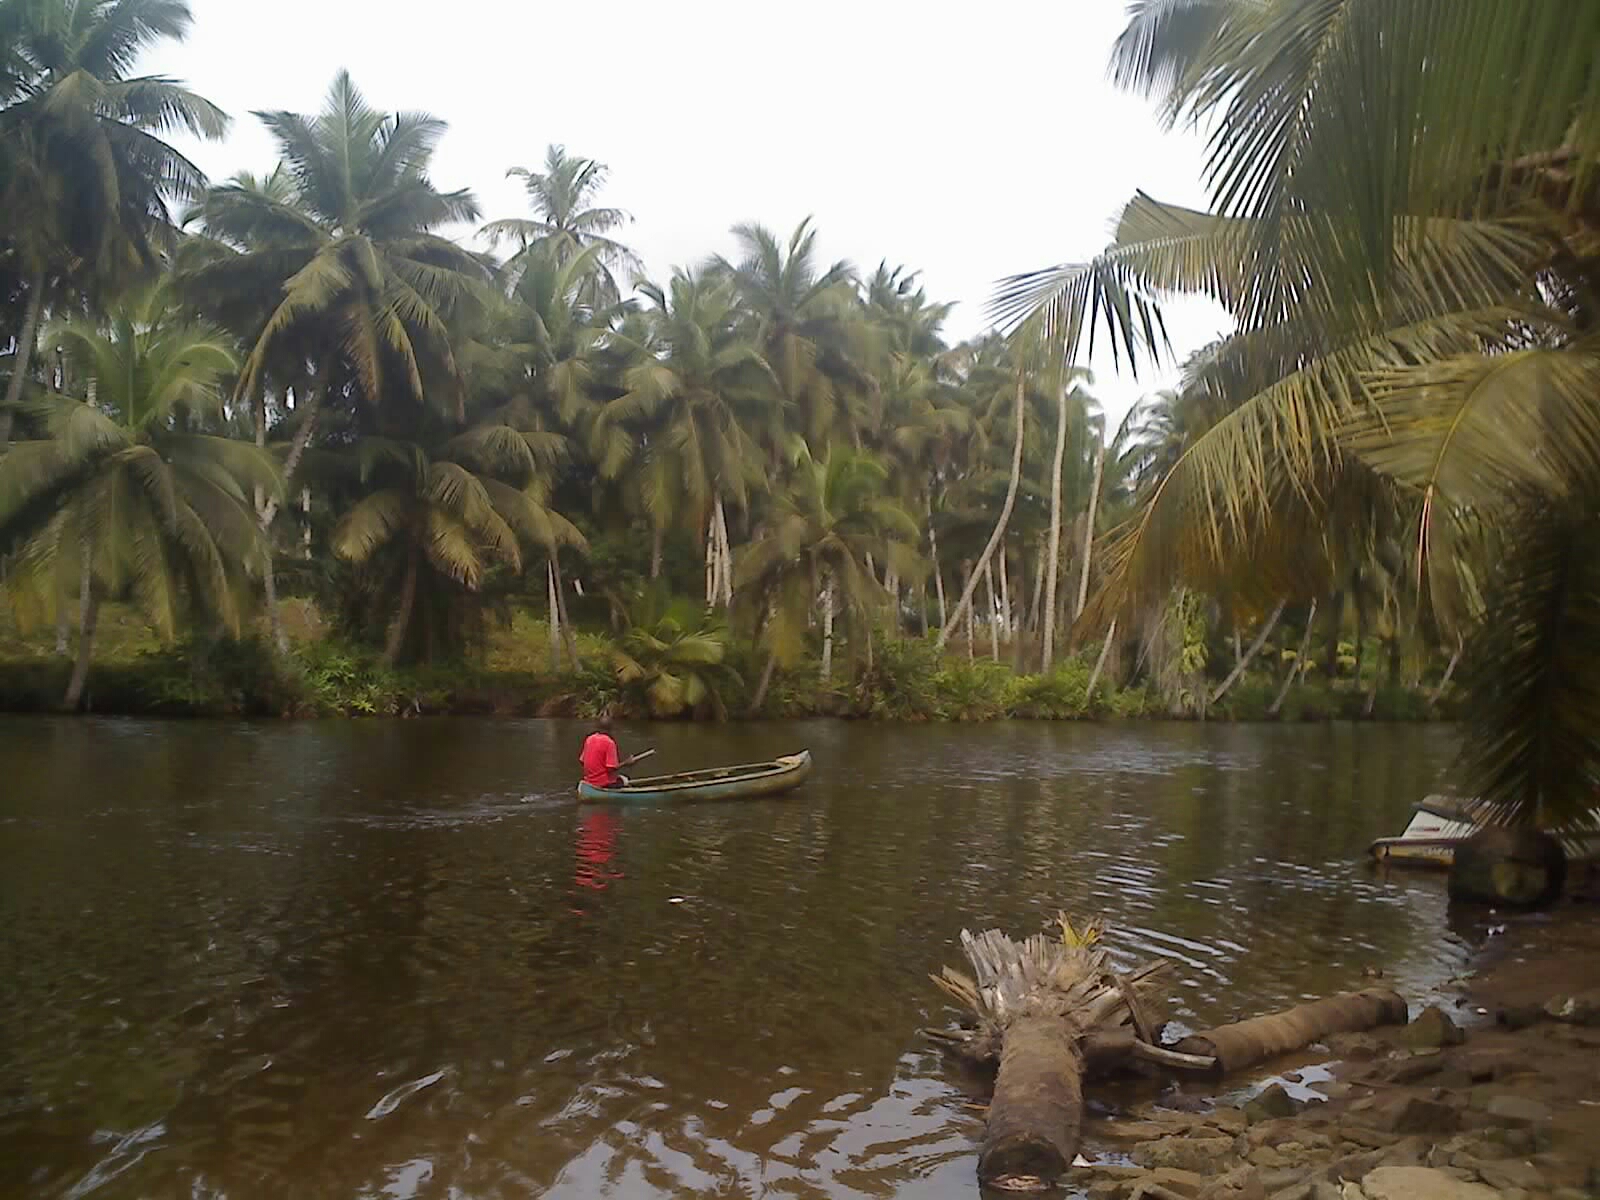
(555, 613)
(994, 616)
(1450, 669)
(1088, 531)
(1099, 665)
(1005, 595)
(971, 634)
(727, 556)
(1255, 648)
(1249, 1043)
(938, 571)
(766, 682)
(656, 537)
(87, 621)
(965, 603)
(22, 358)
(1052, 558)
(1036, 1117)
(1299, 666)
(827, 630)
(1331, 658)
(922, 607)
(567, 630)
(402, 620)
(297, 450)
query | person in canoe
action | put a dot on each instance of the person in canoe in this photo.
(601, 766)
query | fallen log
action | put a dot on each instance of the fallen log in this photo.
(1051, 1012)
(1248, 1043)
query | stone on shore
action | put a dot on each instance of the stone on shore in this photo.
(1420, 1183)
(1432, 1030)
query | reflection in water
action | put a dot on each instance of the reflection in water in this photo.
(340, 960)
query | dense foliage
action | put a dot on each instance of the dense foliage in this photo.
(765, 483)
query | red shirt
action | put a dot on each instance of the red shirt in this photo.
(599, 759)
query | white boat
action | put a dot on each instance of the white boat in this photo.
(1440, 823)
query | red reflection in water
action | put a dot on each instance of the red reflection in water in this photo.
(597, 844)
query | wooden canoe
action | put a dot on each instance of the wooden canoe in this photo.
(746, 782)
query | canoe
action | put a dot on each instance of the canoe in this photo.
(746, 782)
(1440, 823)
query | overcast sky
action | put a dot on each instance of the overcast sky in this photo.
(969, 143)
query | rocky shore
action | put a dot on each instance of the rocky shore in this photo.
(1494, 1095)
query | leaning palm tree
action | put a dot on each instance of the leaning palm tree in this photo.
(85, 175)
(566, 222)
(128, 487)
(1413, 312)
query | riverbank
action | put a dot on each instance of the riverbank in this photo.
(908, 680)
(1491, 1095)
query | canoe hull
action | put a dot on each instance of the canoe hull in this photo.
(750, 782)
(1440, 824)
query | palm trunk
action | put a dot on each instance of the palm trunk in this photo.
(555, 614)
(656, 537)
(1331, 659)
(971, 634)
(21, 359)
(1005, 596)
(827, 630)
(86, 626)
(922, 607)
(938, 571)
(402, 620)
(1088, 531)
(570, 634)
(1299, 667)
(1255, 648)
(1052, 558)
(297, 450)
(727, 555)
(1450, 669)
(766, 682)
(1099, 665)
(965, 603)
(994, 615)
(305, 534)
(63, 625)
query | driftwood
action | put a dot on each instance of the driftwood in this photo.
(1250, 1043)
(1052, 1012)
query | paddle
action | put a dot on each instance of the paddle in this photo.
(639, 757)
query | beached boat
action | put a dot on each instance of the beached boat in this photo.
(745, 782)
(1441, 823)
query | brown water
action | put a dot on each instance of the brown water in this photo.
(395, 960)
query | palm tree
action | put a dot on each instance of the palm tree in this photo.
(1412, 313)
(707, 396)
(455, 508)
(672, 657)
(806, 323)
(566, 223)
(362, 282)
(827, 523)
(129, 485)
(85, 176)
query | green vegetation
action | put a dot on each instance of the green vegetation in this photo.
(333, 461)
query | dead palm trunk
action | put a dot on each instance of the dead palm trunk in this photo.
(1088, 531)
(402, 619)
(1255, 647)
(1052, 558)
(20, 360)
(1299, 666)
(87, 622)
(965, 603)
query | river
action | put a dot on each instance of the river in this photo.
(394, 959)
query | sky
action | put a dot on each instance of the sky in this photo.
(962, 140)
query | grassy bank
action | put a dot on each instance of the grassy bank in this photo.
(135, 674)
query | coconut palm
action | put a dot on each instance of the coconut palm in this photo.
(453, 507)
(129, 489)
(706, 393)
(360, 280)
(1411, 310)
(672, 657)
(828, 522)
(566, 223)
(85, 175)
